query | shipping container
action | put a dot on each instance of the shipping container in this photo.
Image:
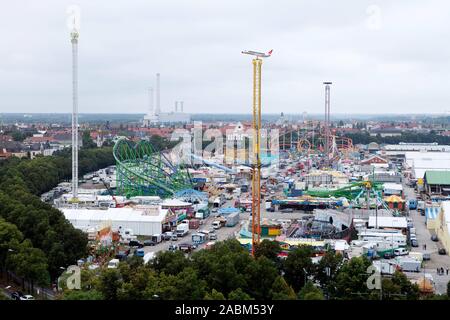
(232, 219)
(194, 224)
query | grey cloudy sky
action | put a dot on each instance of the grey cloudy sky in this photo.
(391, 57)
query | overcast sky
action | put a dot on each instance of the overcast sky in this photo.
(382, 56)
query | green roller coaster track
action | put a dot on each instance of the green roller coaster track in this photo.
(350, 192)
(143, 171)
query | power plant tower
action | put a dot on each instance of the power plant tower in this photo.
(74, 39)
(158, 101)
(327, 123)
(181, 106)
(151, 110)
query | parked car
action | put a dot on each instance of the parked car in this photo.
(287, 210)
(442, 251)
(212, 236)
(414, 243)
(271, 209)
(388, 255)
(16, 295)
(27, 297)
(140, 253)
(148, 243)
(174, 237)
(426, 257)
(167, 235)
(434, 238)
(401, 252)
(135, 243)
(185, 247)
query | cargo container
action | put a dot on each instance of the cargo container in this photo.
(194, 224)
(409, 264)
(385, 267)
(232, 219)
(198, 238)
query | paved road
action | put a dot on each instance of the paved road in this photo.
(424, 237)
(223, 233)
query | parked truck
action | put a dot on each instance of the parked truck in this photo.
(232, 219)
(182, 229)
(409, 264)
(194, 224)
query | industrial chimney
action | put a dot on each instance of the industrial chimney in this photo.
(181, 106)
(176, 106)
(158, 102)
(151, 110)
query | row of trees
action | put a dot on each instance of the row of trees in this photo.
(227, 271)
(35, 239)
(366, 138)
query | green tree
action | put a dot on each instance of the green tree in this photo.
(282, 291)
(269, 249)
(448, 289)
(410, 290)
(29, 263)
(298, 266)
(110, 282)
(170, 262)
(310, 292)
(239, 294)
(261, 272)
(9, 237)
(83, 295)
(326, 270)
(351, 280)
(223, 266)
(214, 295)
(87, 140)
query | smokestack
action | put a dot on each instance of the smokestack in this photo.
(176, 106)
(158, 105)
(150, 100)
(181, 106)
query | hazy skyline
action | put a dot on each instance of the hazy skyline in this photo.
(382, 56)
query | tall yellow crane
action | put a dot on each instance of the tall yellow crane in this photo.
(256, 163)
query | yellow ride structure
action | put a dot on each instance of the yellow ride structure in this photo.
(256, 160)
